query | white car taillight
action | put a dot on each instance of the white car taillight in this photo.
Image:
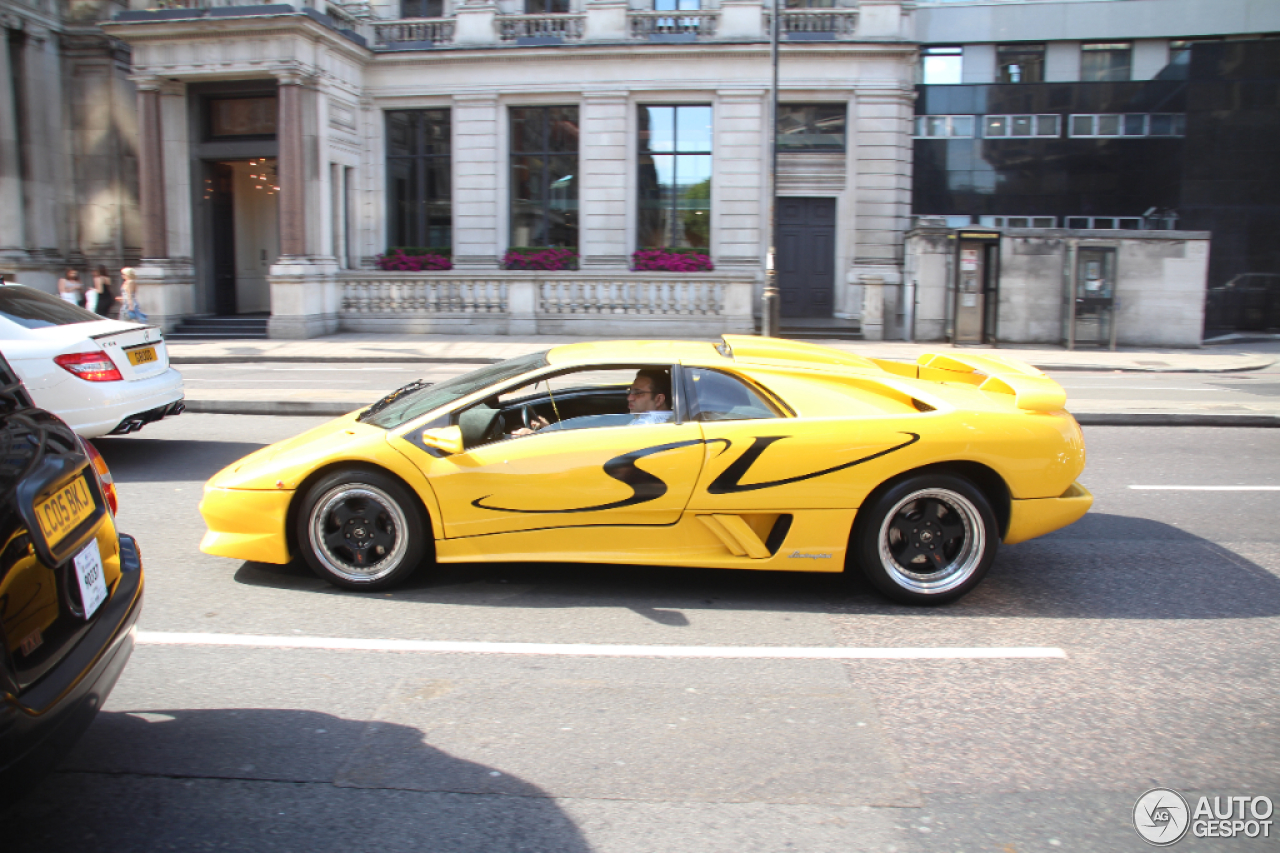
(93, 366)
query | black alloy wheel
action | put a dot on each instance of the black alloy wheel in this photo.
(362, 529)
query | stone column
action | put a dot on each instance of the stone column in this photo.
(739, 182)
(12, 231)
(290, 167)
(474, 23)
(603, 190)
(882, 157)
(476, 241)
(606, 20)
(305, 289)
(151, 171)
(44, 138)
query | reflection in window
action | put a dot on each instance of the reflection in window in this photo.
(1103, 62)
(1020, 63)
(940, 65)
(419, 190)
(716, 396)
(811, 127)
(941, 127)
(544, 176)
(1129, 125)
(998, 127)
(675, 177)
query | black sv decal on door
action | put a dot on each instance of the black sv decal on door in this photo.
(646, 487)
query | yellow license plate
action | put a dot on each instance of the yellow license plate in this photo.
(142, 355)
(60, 514)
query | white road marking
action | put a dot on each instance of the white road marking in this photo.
(161, 638)
(1209, 488)
(1138, 388)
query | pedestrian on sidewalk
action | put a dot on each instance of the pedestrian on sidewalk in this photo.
(128, 297)
(98, 297)
(71, 288)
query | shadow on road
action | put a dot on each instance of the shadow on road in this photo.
(167, 460)
(274, 779)
(1106, 567)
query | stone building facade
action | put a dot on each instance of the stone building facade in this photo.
(274, 170)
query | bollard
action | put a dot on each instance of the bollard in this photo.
(770, 311)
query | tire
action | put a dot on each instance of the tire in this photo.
(929, 539)
(362, 529)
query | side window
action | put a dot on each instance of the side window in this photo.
(716, 396)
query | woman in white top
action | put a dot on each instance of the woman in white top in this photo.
(71, 288)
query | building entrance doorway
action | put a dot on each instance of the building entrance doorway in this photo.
(807, 256)
(241, 201)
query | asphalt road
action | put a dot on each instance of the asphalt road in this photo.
(1164, 603)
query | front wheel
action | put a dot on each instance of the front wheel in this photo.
(361, 529)
(927, 540)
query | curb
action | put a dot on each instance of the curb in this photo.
(334, 409)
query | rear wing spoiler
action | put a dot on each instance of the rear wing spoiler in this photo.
(1031, 389)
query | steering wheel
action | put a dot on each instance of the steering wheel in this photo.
(526, 417)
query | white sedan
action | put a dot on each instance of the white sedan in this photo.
(101, 376)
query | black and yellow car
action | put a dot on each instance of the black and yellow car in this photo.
(70, 587)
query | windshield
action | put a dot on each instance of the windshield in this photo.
(35, 309)
(416, 403)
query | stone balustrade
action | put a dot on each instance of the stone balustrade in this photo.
(550, 29)
(409, 33)
(673, 26)
(522, 302)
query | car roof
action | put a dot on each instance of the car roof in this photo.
(634, 352)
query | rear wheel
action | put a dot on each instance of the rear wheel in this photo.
(926, 540)
(362, 529)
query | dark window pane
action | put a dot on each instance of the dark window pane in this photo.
(1082, 125)
(675, 188)
(1101, 63)
(544, 183)
(419, 183)
(1020, 63)
(422, 8)
(1077, 222)
(1046, 125)
(1135, 125)
(1020, 126)
(1109, 125)
(1162, 125)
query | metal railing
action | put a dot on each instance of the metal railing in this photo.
(661, 298)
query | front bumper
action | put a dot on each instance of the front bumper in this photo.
(246, 524)
(42, 724)
(1031, 518)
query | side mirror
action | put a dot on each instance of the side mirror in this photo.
(447, 440)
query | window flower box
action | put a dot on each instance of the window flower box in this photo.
(413, 259)
(671, 260)
(539, 258)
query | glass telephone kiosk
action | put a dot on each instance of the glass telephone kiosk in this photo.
(1091, 298)
(975, 277)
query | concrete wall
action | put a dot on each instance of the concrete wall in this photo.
(1161, 279)
(1051, 20)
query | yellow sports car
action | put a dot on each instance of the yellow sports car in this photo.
(754, 453)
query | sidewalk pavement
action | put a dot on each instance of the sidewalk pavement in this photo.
(1235, 356)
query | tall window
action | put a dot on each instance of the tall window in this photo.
(941, 65)
(544, 176)
(675, 176)
(811, 127)
(546, 7)
(1102, 62)
(1020, 63)
(419, 185)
